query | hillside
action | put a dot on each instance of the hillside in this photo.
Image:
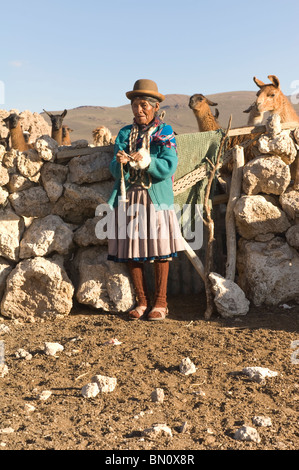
(85, 118)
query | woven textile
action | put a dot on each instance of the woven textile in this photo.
(194, 151)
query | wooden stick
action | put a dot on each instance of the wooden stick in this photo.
(235, 191)
(260, 129)
(192, 256)
(210, 225)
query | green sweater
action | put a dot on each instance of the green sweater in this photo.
(163, 164)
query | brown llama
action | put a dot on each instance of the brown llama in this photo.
(17, 138)
(200, 106)
(56, 120)
(270, 98)
(206, 121)
(66, 138)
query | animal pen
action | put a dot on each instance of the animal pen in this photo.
(250, 214)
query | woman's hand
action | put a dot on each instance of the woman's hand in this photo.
(136, 156)
(121, 157)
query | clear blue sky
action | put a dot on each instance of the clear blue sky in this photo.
(66, 53)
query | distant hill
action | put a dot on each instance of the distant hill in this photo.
(178, 114)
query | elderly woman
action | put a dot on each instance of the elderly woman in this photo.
(145, 159)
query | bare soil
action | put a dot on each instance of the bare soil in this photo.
(215, 401)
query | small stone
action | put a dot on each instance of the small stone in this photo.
(22, 354)
(262, 421)
(184, 428)
(105, 384)
(247, 433)
(43, 396)
(3, 370)
(158, 395)
(156, 430)
(90, 390)
(258, 374)
(8, 430)
(29, 408)
(187, 367)
(4, 329)
(51, 349)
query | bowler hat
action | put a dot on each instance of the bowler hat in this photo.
(145, 87)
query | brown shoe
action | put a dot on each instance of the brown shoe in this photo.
(158, 313)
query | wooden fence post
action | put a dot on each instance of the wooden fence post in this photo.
(235, 192)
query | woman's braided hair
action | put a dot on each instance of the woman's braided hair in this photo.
(135, 129)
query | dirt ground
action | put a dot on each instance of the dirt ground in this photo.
(215, 401)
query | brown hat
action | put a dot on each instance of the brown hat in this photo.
(145, 87)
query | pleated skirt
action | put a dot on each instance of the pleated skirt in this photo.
(139, 232)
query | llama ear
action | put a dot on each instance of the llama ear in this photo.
(64, 113)
(258, 82)
(49, 114)
(274, 80)
(211, 103)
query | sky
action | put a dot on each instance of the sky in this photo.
(67, 53)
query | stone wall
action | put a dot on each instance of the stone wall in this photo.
(51, 259)
(267, 219)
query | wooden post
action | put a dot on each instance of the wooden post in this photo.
(209, 222)
(194, 259)
(235, 192)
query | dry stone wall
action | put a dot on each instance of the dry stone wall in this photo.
(51, 258)
(267, 220)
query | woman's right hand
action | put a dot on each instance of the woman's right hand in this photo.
(121, 157)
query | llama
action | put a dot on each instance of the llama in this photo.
(270, 98)
(56, 120)
(255, 117)
(17, 138)
(66, 138)
(101, 136)
(200, 106)
(4, 141)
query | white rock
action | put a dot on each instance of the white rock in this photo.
(4, 329)
(187, 367)
(23, 354)
(51, 349)
(262, 421)
(29, 408)
(105, 384)
(258, 374)
(3, 370)
(158, 395)
(43, 396)
(8, 430)
(46, 147)
(229, 298)
(156, 430)
(90, 390)
(247, 433)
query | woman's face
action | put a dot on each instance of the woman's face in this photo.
(143, 112)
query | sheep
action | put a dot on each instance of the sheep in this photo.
(200, 106)
(101, 136)
(18, 141)
(56, 120)
(255, 117)
(270, 98)
(66, 138)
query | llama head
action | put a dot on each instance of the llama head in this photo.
(66, 130)
(56, 119)
(12, 121)
(199, 101)
(269, 95)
